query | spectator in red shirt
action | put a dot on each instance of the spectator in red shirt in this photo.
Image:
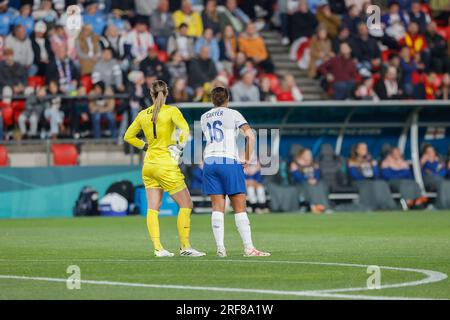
(289, 90)
(341, 71)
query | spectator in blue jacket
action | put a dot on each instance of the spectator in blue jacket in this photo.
(94, 17)
(434, 170)
(25, 19)
(374, 194)
(306, 174)
(6, 18)
(396, 170)
(208, 40)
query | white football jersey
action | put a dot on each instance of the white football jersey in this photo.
(221, 129)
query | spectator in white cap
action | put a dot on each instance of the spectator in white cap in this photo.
(41, 47)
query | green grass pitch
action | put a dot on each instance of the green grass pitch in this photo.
(118, 250)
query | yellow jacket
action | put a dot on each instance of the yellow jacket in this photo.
(194, 22)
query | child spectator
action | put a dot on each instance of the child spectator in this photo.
(52, 113)
(365, 91)
(289, 90)
(102, 108)
(265, 92)
(373, 193)
(396, 170)
(306, 173)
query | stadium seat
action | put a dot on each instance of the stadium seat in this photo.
(64, 155)
(163, 56)
(7, 114)
(3, 156)
(36, 81)
(86, 81)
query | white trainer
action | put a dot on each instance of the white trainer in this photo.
(255, 253)
(190, 252)
(221, 252)
(163, 253)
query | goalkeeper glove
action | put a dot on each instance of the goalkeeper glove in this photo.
(176, 151)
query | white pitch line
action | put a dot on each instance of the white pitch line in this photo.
(431, 276)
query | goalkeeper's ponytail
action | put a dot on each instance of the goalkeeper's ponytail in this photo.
(159, 92)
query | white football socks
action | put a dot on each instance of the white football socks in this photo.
(243, 226)
(217, 224)
(251, 195)
(261, 194)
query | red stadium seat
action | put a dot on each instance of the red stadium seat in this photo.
(443, 32)
(36, 81)
(386, 53)
(163, 56)
(86, 81)
(64, 155)
(7, 113)
(18, 105)
(3, 156)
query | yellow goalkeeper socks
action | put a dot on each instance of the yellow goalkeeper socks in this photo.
(153, 228)
(184, 227)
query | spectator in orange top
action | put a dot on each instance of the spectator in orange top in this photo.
(253, 46)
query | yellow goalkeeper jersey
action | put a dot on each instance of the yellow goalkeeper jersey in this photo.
(160, 136)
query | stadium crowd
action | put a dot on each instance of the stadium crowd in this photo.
(123, 46)
(309, 181)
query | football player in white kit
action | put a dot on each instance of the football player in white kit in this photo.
(223, 175)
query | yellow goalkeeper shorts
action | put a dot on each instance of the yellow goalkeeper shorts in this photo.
(166, 177)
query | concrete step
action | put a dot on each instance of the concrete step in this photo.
(278, 49)
(285, 64)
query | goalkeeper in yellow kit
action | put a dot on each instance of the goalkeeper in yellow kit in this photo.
(160, 171)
